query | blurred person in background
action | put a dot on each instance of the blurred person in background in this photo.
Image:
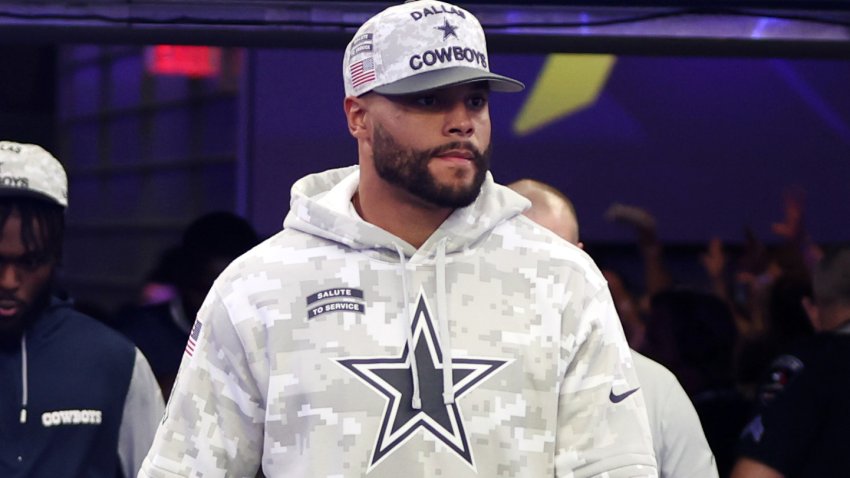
(681, 449)
(801, 429)
(161, 329)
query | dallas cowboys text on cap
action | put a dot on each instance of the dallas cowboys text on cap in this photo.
(419, 46)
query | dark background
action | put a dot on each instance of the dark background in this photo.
(708, 145)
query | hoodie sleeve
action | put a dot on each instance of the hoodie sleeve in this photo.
(213, 423)
(603, 428)
(143, 409)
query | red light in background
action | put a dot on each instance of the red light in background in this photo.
(180, 60)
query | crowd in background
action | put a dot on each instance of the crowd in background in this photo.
(724, 336)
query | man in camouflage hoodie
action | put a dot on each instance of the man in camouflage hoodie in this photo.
(408, 320)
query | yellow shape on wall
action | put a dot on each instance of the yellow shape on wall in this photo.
(567, 83)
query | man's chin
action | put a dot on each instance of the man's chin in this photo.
(14, 326)
(452, 198)
(11, 330)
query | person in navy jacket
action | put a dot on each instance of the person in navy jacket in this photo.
(77, 399)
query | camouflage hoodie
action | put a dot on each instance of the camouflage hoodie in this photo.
(335, 349)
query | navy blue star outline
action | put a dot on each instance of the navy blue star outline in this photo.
(400, 421)
(448, 30)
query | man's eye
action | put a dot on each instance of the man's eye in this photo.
(33, 261)
(477, 101)
(426, 100)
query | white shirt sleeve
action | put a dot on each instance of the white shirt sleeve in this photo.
(143, 409)
(681, 448)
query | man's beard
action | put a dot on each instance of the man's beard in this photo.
(408, 169)
(11, 337)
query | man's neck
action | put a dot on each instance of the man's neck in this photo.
(398, 212)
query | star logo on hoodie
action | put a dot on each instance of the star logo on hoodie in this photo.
(391, 378)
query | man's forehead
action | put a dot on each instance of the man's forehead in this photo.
(15, 217)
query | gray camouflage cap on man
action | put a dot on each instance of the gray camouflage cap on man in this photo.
(419, 46)
(29, 170)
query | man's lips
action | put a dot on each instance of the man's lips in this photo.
(9, 308)
(457, 155)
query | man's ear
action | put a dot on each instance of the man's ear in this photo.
(812, 311)
(355, 113)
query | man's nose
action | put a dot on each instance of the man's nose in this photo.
(9, 277)
(459, 120)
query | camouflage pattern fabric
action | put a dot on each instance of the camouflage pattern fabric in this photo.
(300, 363)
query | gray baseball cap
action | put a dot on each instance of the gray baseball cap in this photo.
(29, 170)
(419, 46)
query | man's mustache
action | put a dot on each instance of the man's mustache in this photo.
(11, 298)
(478, 155)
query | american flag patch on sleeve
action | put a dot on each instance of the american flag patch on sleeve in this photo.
(193, 337)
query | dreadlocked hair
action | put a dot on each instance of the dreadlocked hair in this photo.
(48, 236)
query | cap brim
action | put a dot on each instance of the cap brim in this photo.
(30, 193)
(456, 75)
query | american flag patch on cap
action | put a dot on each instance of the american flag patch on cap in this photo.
(362, 72)
(193, 337)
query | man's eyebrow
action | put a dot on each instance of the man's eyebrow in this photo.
(25, 255)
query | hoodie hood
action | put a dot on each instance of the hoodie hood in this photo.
(321, 205)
